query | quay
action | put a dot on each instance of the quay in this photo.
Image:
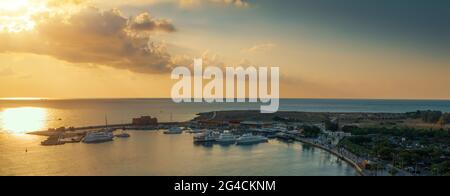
(52, 132)
(334, 152)
(63, 135)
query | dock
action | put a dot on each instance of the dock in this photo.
(52, 132)
(62, 135)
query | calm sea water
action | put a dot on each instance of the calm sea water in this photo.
(152, 153)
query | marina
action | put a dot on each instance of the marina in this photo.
(248, 133)
(212, 130)
(166, 155)
(207, 137)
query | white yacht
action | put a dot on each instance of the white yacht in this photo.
(194, 131)
(269, 130)
(98, 137)
(226, 138)
(249, 138)
(207, 136)
(174, 130)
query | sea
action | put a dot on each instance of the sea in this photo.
(153, 153)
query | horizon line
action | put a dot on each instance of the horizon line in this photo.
(285, 98)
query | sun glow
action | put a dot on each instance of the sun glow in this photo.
(22, 98)
(17, 15)
(13, 5)
(23, 120)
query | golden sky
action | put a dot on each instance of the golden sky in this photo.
(112, 48)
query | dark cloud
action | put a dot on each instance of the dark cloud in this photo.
(93, 36)
(145, 22)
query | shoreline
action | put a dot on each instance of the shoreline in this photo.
(301, 140)
(338, 155)
(288, 123)
(289, 169)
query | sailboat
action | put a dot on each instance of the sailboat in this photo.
(104, 135)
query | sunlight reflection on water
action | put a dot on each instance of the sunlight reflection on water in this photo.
(23, 119)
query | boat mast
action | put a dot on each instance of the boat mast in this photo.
(106, 121)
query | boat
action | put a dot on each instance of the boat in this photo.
(205, 137)
(200, 137)
(283, 136)
(249, 138)
(294, 132)
(226, 138)
(174, 130)
(194, 131)
(271, 135)
(123, 135)
(98, 137)
(104, 135)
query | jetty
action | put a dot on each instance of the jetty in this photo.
(63, 135)
(54, 131)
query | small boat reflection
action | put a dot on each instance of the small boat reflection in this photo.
(123, 135)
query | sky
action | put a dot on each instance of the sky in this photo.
(378, 49)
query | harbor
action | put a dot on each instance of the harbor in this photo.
(203, 137)
(63, 135)
(167, 155)
(204, 132)
(335, 133)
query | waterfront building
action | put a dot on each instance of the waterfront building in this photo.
(145, 121)
(234, 124)
(211, 124)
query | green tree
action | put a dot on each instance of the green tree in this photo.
(331, 126)
(311, 131)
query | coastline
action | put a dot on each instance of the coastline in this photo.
(297, 126)
(340, 156)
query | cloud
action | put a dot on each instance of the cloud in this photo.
(180, 3)
(244, 63)
(189, 3)
(95, 37)
(209, 59)
(195, 3)
(59, 3)
(237, 3)
(120, 3)
(260, 48)
(145, 22)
